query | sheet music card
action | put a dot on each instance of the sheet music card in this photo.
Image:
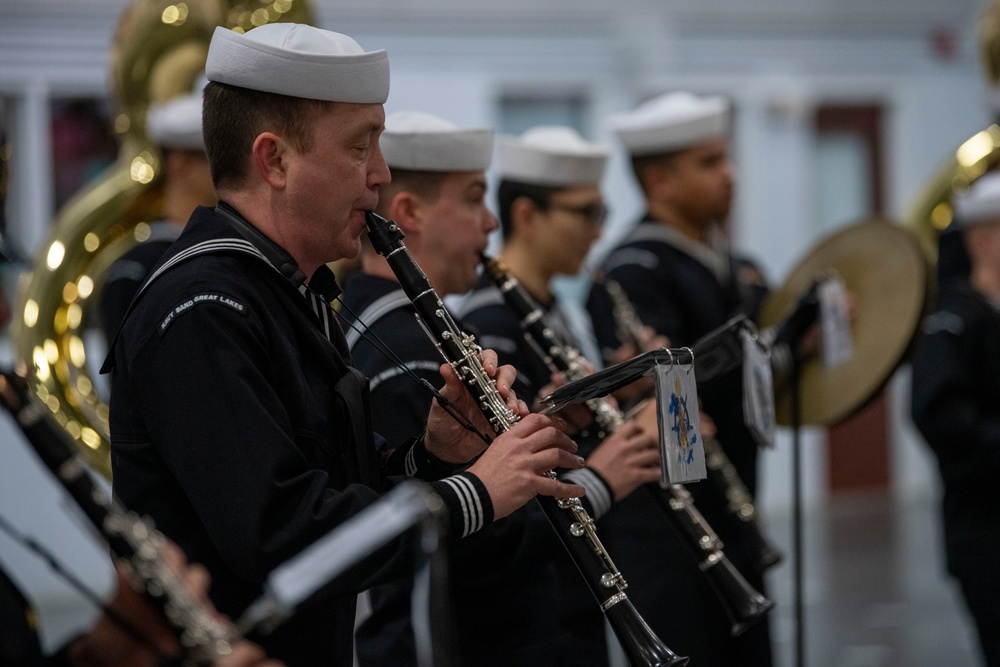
(835, 323)
(758, 391)
(682, 454)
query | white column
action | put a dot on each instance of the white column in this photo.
(30, 210)
(775, 173)
(774, 225)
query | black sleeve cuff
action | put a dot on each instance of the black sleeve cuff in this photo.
(469, 505)
(599, 497)
(413, 460)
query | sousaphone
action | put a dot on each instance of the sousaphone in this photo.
(159, 48)
(931, 212)
(887, 275)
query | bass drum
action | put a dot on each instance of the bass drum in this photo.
(888, 277)
(158, 52)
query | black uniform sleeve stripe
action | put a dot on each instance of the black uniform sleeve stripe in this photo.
(598, 492)
(465, 500)
(503, 344)
(394, 372)
(468, 502)
(410, 463)
(375, 311)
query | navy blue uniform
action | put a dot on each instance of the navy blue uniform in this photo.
(19, 639)
(504, 591)
(684, 291)
(239, 426)
(127, 274)
(956, 406)
(19, 644)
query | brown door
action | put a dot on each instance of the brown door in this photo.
(851, 175)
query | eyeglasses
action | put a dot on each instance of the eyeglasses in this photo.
(593, 214)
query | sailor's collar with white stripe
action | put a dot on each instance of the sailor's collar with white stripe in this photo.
(319, 292)
(714, 255)
(323, 281)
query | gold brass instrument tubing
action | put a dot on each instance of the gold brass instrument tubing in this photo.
(931, 213)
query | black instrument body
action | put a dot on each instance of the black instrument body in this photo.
(571, 522)
(742, 602)
(135, 543)
(718, 352)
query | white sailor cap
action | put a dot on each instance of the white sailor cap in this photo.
(671, 122)
(981, 204)
(177, 123)
(423, 142)
(551, 156)
(299, 61)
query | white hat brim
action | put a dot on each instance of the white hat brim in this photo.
(659, 127)
(541, 166)
(981, 204)
(238, 60)
(455, 150)
(177, 124)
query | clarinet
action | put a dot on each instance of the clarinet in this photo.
(721, 470)
(134, 541)
(572, 523)
(740, 502)
(743, 604)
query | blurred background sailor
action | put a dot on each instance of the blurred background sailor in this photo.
(676, 268)
(956, 406)
(551, 211)
(175, 127)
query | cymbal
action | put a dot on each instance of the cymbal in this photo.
(887, 275)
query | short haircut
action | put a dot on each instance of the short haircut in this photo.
(233, 117)
(510, 191)
(640, 163)
(424, 184)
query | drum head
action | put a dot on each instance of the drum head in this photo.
(886, 274)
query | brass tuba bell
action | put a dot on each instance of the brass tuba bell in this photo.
(158, 51)
(931, 212)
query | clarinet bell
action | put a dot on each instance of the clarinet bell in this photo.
(640, 644)
(768, 557)
(765, 556)
(743, 603)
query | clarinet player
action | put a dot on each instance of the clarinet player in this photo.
(955, 406)
(237, 421)
(684, 281)
(438, 198)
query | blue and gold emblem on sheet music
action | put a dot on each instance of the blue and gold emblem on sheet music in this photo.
(683, 430)
(681, 450)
